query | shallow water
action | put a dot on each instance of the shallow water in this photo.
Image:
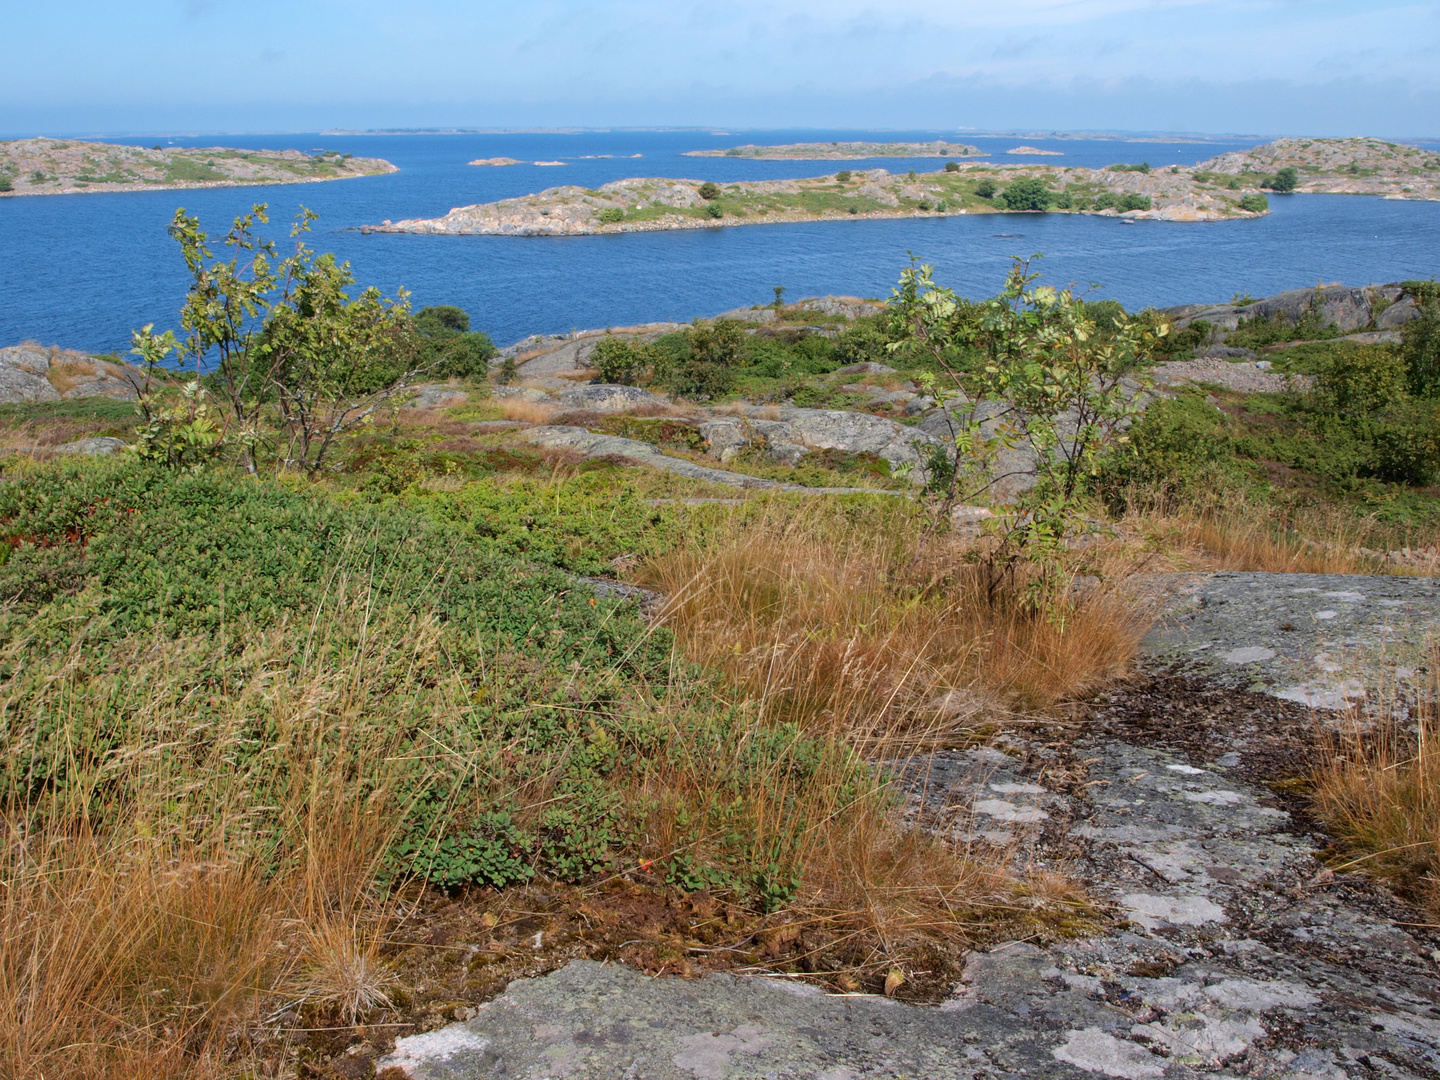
(83, 270)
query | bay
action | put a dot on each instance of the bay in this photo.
(82, 271)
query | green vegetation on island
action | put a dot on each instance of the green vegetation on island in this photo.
(65, 166)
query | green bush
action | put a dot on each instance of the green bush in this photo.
(952, 166)
(1421, 342)
(6, 184)
(447, 345)
(1181, 447)
(1362, 380)
(1143, 167)
(985, 188)
(715, 210)
(1134, 201)
(612, 215)
(1027, 193)
(1254, 203)
(1064, 201)
(1106, 200)
(709, 190)
(843, 176)
(1283, 181)
(621, 361)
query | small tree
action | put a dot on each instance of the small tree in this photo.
(843, 176)
(1035, 375)
(709, 190)
(1254, 203)
(952, 166)
(295, 362)
(1283, 181)
(986, 189)
(621, 361)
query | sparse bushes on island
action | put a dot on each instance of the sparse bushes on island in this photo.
(612, 215)
(1254, 203)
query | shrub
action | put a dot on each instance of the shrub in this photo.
(448, 348)
(6, 184)
(1064, 201)
(1181, 447)
(1143, 167)
(952, 166)
(1134, 201)
(1361, 381)
(621, 361)
(1254, 203)
(1421, 342)
(715, 210)
(612, 215)
(985, 188)
(709, 190)
(1106, 200)
(843, 176)
(1027, 193)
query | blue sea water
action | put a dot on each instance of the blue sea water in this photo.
(82, 271)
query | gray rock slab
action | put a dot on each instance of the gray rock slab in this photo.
(607, 398)
(99, 446)
(592, 445)
(437, 396)
(1323, 640)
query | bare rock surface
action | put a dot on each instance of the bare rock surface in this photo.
(1321, 640)
(593, 445)
(99, 446)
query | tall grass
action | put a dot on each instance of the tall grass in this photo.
(863, 627)
(1379, 788)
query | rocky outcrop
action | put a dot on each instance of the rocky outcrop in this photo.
(34, 373)
(1357, 166)
(787, 434)
(1336, 306)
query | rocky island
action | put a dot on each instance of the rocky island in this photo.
(44, 166)
(1227, 187)
(843, 151)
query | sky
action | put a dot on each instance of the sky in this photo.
(1262, 67)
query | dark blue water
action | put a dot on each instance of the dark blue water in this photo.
(83, 270)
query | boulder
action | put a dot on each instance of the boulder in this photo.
(520, 393)
(607, 398)
(437, 396)
(1397, 314)
(1226, 352)
(786, 430)
(25, 375)
(724, 438)
(96, 447)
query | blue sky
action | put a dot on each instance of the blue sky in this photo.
(1250, 66)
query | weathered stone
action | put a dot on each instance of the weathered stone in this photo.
(97, 447)
(437, 396)
(865, 367)
(606, 398)
(24, 375)
(723, 438)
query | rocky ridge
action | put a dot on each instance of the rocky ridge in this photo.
(843, 151)
(32, 373)
(44, 166)
(1358, 166)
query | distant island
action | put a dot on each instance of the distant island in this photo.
(1035, 150)
(843, 151)
(44, 166)
(1231, 186)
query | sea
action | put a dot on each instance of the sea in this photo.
(82, 271)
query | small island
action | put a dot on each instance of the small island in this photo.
(843, 151)
(44, 166)
(1232, 186)
(1035, 151)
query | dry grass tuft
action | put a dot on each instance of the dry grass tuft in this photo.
(862, 628)
(527, 412)
(1380, 789)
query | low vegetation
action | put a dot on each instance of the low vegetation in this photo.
(307, 670)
